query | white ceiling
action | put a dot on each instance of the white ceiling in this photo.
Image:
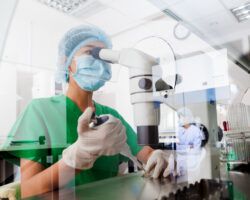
(213, 16)
(119, 15)
(214, 21)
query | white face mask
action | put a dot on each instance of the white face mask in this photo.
(184, 120)
(91, 73)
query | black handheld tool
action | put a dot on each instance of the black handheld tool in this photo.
(96, 121)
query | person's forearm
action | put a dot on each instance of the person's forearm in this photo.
(144, 154)
(49, 179)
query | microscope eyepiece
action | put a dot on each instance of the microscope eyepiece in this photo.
(107, 54)
(95, 52)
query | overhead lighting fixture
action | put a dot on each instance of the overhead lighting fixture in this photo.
(66, 6)
(172, 15)
(242, 13)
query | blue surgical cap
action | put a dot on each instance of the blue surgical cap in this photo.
(71, 42)
(185, 116)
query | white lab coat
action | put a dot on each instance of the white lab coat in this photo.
(188, 149)
(189, 138)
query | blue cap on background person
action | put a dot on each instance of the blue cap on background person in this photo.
(185, 116)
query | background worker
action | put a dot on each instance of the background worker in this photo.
(189, 136)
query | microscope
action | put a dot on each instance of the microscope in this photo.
(145, 86)
(146, 110)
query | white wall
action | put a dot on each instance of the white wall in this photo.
(34, 34)
(241, 79)
(30, 53)
(6, 11)
(7, 90)
(8, 98)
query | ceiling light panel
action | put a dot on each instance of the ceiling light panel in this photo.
(242, 13)
(66, 6)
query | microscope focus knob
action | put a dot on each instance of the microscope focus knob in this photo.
(145, 83)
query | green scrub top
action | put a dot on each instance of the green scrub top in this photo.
(56, 119)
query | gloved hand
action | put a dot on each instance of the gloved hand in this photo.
(105, 139)
(8, 193)
(159, 163)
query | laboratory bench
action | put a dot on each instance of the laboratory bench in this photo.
(233, 185)
(136, 187)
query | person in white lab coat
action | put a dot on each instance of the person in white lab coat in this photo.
(189, 142)
(189, 136)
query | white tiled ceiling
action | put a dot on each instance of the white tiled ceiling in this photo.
(196, 9)
(120, 15)
(137, 10)
(111, 20)
(114, 16)
(164, 4)
(212, 18)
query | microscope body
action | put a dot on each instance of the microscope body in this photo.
(145, 110)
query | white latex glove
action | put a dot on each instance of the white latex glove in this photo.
(8, 193)
(159, 162)
(173, 166)
(105, 139)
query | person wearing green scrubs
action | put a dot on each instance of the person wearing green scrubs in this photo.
(59, 114)
(73, 156)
